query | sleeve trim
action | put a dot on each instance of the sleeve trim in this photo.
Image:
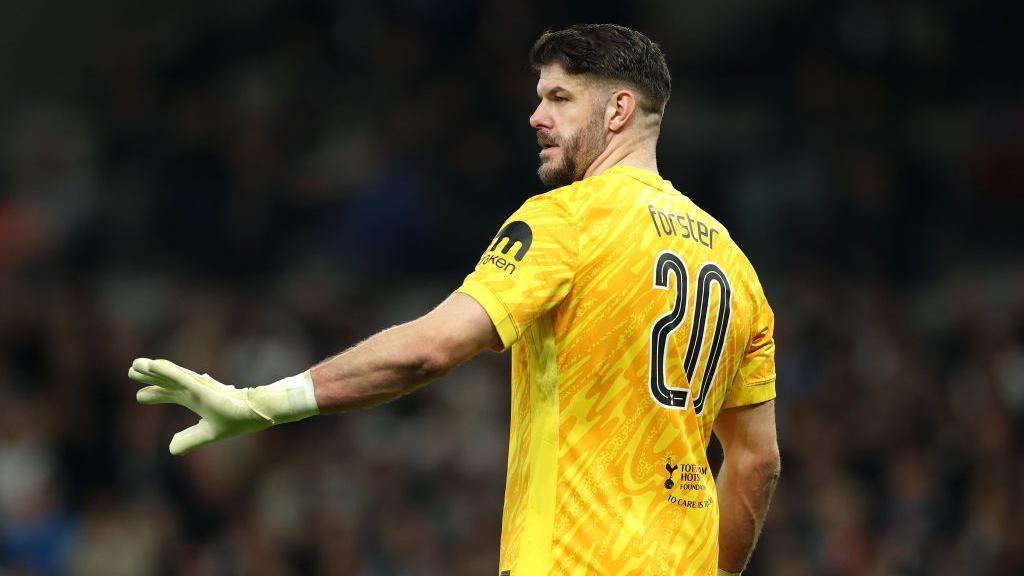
(761, 381)
(496, 310)
(753, 393)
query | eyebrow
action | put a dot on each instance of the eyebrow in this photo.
(553, 89)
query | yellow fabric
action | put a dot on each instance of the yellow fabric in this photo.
(570, 284)
(495, 310)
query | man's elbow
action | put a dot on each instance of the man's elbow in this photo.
(767, 466)
(441, 351)
(773, 469)
(439, 344)
(763, 466)
(434, 357)
(434, 362)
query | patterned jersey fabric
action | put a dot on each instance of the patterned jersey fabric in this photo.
(633, 320)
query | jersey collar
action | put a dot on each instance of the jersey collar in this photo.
(652, 179)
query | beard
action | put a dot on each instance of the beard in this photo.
(578, 152)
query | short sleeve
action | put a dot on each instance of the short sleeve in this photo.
(755, 381)
(528, 268)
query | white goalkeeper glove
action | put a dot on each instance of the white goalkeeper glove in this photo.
(224, 410)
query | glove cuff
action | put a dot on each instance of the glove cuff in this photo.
(287, 400)
(724, 573)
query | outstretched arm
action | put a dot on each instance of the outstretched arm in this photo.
(400, 359)
(383, 367)
(746, 481)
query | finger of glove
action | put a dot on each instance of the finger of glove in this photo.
(144, 378)
(143, 367)
(191, 438)
(174, 374)
(157, 395)
(183, 376)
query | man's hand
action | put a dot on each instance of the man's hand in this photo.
(224, 410)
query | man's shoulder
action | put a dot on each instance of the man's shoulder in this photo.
(564, 199)
(725, 247)
(564, 194)
(743, 271)
(607, 184)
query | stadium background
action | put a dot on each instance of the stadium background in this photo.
(247, 188)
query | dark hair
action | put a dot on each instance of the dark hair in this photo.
(612, 52)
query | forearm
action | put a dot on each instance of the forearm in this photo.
(383, 367)
(744, 493)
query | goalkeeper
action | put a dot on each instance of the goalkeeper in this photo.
(637, 327)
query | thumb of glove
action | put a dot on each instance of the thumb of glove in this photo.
(191, 438)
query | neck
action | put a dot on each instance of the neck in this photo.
(630, 152)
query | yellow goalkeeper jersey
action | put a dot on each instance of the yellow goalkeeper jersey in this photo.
(633, 320)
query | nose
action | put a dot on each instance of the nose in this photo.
(540, 117)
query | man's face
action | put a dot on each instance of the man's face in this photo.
(570, 125)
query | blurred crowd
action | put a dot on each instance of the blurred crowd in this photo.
(247, 188)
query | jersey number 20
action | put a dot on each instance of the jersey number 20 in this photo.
(676, 398)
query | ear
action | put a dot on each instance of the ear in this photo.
(621, 107)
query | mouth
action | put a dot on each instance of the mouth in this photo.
(546, 143)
